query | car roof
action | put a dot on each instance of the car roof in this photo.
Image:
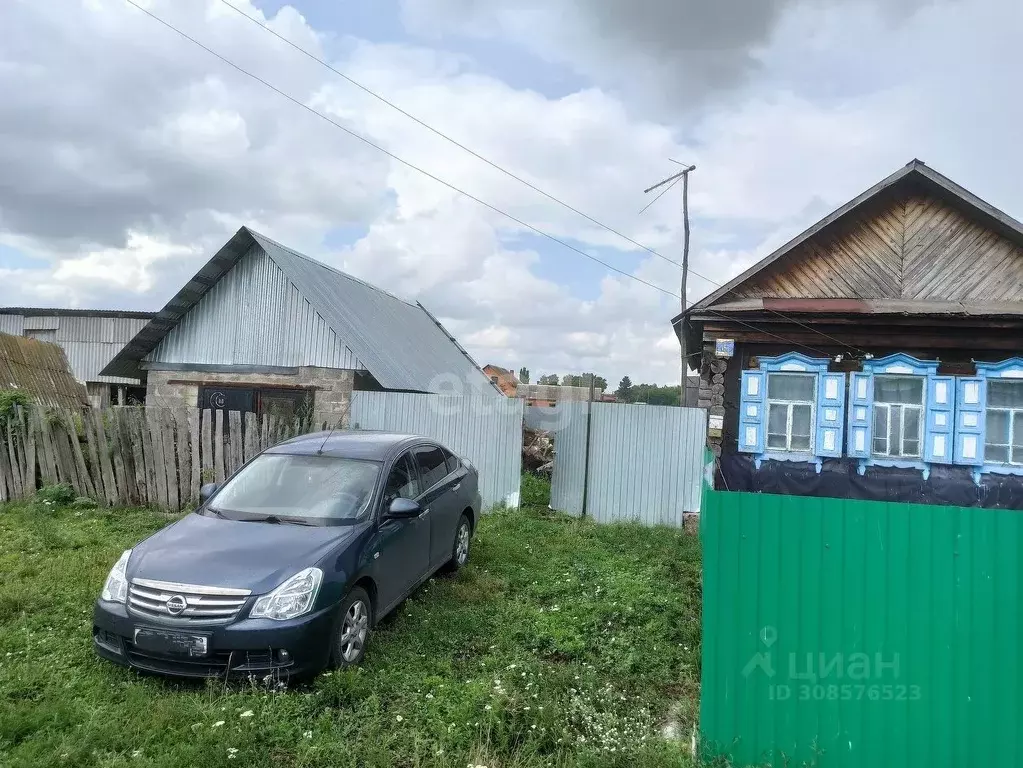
(361, 444)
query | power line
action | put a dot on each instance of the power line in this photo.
(455, 142)
(845, 344)
(393, 156)
(768, 333)
(439, 180)
(262, 25)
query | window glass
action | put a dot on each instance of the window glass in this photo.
(1017, 437)
(402, 482)
(1005, 394)
(432, 466)
(899, 389)
(880, 430)
(790, 386)
(800, 428)
(452, 461)
(315, 488)
(777, 426)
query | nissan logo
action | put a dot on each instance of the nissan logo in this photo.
(176, 605)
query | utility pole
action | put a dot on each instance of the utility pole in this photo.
(671, 181)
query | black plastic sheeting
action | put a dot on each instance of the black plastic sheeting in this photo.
(946, 485)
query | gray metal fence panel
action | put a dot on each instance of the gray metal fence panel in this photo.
(485, 430)
(569, 457)
(646, 462)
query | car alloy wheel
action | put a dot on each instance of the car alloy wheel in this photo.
(354, 629)
(462, 543)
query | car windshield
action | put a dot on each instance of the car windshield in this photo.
(317, 490)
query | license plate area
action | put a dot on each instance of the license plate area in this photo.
(171, 643)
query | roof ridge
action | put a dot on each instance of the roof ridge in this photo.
(317, 262)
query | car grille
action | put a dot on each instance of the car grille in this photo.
(203, 605)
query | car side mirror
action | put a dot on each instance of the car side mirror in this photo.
(207, 490)
(404, 508)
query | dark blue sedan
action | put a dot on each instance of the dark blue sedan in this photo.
(287, 566)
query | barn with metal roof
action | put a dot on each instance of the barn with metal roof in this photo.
(261, 327)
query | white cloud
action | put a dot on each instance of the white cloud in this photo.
(127, 156)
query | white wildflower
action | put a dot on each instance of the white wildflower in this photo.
(218, 723)
(399, 718)
(308, 734)
(246, 713)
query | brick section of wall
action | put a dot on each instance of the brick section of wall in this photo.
(331, 387)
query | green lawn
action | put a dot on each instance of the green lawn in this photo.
(563, 643)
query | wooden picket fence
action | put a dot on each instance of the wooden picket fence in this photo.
(132, 455)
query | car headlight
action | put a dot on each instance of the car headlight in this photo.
(291, 599)
(115, 589)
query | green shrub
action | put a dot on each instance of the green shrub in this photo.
(61, 495)
(10, 400)
(84, 502)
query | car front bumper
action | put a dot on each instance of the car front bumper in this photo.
(248, 647)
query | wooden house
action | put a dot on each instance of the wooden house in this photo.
(860, 358)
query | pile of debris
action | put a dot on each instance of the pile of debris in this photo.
(537, 451)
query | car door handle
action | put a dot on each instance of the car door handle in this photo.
(424, 513)
(456, 486)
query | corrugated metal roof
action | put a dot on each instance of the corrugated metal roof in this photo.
(400, 343)
(41, 370)
(254, 315)
(89, 338)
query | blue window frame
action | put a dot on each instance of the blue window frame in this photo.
(901, 414)
(989, 419)
(792, 409)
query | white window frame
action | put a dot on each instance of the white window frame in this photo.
(812, 404)
(921, 410)
(1013, 413)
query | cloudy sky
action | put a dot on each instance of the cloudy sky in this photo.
(128, 154)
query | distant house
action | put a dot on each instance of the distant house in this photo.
(879, 354)
(90, 338)
(502, 378)
(263, 328)
(552, 394)
(40, 370)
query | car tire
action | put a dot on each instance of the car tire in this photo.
(348, 644)
(460, 546)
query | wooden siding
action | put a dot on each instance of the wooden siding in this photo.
(915, 247)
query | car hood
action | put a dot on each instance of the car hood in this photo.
(216, 552)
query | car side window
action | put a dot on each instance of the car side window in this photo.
(402, 482)
(452, 461)
(432, 465)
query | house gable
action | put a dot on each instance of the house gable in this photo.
(253, 316)
(914, 237)
(915, 247)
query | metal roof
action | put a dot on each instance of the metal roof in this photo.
(64, 312)
(401, 344)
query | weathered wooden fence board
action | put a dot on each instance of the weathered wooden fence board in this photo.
(131, 455)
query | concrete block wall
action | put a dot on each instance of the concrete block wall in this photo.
(331, 388)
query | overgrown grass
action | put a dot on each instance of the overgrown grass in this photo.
(563, 643)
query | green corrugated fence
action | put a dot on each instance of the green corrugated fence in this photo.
(859, 633)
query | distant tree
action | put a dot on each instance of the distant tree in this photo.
(599, 382)
(654, 394)
(524, 375)
(624, 391)
(571, 380)
(550, 378)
